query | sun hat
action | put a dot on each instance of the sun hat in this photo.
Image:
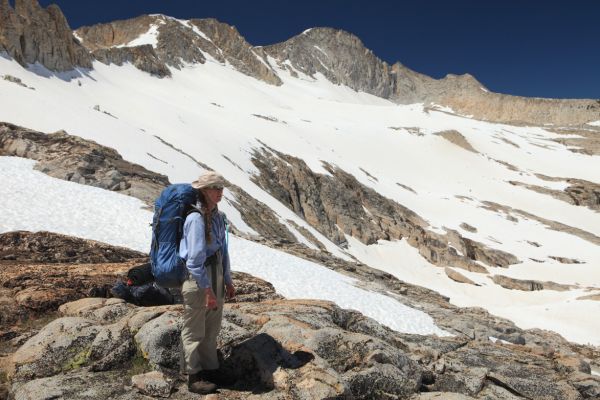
(209, 179)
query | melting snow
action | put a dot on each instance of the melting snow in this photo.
(34, 201)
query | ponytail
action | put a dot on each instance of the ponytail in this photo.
(207, 215)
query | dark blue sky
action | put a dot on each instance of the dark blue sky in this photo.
(525, 47)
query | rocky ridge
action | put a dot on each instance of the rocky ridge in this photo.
(578, 192)
(30, 34)
(142, 57)
(47, 247)
(338, 55)
(339, 205)
(177, 42)
(82, 161)
(74, 159)
(343, 59)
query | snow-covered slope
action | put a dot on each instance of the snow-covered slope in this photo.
(219, 116)
(98, 214)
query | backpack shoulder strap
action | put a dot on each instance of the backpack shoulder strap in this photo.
(192, 209)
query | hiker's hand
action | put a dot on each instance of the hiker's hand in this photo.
(211, 299)
(230, 291)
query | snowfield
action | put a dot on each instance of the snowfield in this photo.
(215, 114)
(39, 202)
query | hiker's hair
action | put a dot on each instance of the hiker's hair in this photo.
(207, 215)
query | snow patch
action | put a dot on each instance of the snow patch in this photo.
(35, 201)
(150, 37)
(321, 50)
(553, 310)
(495, 340)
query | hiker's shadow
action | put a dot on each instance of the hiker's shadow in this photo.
(250, 364)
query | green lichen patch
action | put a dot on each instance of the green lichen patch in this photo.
(77, 361)
(138, 364)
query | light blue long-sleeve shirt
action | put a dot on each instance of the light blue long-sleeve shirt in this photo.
(194, 249)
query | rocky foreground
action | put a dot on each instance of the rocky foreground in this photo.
(57, 342)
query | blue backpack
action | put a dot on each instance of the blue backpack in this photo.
(167, 229)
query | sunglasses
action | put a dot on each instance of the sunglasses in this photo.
(215, 187)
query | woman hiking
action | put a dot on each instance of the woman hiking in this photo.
(204, 249)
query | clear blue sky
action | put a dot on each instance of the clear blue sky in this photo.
(525, 47)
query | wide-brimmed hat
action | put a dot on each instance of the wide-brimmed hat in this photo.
(209, 179)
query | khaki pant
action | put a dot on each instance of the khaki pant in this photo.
(201, 326)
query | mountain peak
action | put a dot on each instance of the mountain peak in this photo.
(30, 34)
(175, 42)
(158, 43)
(338, 55)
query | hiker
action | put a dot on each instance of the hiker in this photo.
(204, 249)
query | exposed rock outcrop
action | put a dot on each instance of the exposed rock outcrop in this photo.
(114, 34)
(142, 57)
(338, 205)
(584, 140)
(78, 160)
(260, 217)
(48, 247)
(528, 285)
(297, 349)
(50, 269)
(475, 369)
(579, 192)
(230, 46)
(30, 34)
(555, 225)
(458, 139)
(342, 58)
(17, 81)
(458, 277)
(339, 56)
(176, 42)
(495, 107)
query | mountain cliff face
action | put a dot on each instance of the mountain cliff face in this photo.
(30, 34)
(343, 59)
(156, 43)
(176, 43)
(339, 205)
(337, 55)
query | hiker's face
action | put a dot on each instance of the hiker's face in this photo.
(213, 195)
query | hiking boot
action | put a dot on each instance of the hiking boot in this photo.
(196, 384)
(218, 377)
